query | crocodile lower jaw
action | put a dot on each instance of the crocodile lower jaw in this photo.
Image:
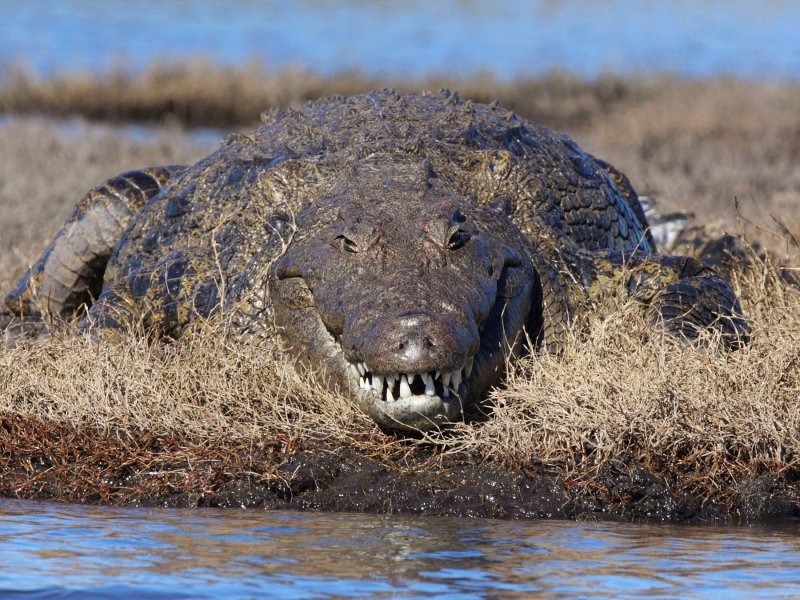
(412, 401)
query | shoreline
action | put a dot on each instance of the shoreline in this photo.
(79, 465)
(200, 93)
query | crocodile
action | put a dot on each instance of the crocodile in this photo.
(405, 246)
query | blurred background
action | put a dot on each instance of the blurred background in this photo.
(412, 38)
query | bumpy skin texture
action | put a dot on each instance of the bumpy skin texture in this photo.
(405, 244)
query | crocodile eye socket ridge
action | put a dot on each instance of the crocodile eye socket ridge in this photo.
(345, 244)
(458, 238)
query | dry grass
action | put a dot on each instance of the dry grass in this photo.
(208, 386)
(202, 93)
(702, 420)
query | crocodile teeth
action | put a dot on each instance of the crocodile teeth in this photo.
(354, 372)
(405, 389)
(450, 381)
(430, 390)
(468, 366)
(456, 380)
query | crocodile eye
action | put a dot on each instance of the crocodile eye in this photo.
(458, 238)
(346, 244)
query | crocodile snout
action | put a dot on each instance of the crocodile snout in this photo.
(418, 342)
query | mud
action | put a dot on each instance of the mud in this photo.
(44, 460)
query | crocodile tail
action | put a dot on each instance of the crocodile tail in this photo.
(69, 274)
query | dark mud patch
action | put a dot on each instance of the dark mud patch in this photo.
(44, 460)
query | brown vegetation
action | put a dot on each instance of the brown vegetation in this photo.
(626, 422)
(200, 93)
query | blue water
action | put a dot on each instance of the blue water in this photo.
(89, 552)
(747, 38)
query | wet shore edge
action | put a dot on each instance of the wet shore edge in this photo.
(62, 462)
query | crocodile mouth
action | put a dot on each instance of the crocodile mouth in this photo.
(413, 401)
(392, 387)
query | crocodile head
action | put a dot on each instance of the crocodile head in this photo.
(408, 295)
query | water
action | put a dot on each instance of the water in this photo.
(746, 38)
(84, 552)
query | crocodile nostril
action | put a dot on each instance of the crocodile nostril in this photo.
(416, 342)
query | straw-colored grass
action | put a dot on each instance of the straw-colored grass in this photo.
(202, 93)
(702, 417)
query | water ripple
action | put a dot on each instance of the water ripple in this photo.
(69, 551)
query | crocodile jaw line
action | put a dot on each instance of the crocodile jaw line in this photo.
(435, 396)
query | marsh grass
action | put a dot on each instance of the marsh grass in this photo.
(133, 419)
(200, 92)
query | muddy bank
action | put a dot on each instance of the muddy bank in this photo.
(58, 462)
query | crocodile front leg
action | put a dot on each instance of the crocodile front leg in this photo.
(683, 295)
(69, 275)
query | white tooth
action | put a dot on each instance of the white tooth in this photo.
(362, 368)
(430, 390)
(361, 382)
(390, 381)
(446, 379)
(405, 390)
(411, 378)
(377, 382)
(354, 371)
(438, 373)
(468, 366)
(456, 380)
(389, 396)
(445, 392)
